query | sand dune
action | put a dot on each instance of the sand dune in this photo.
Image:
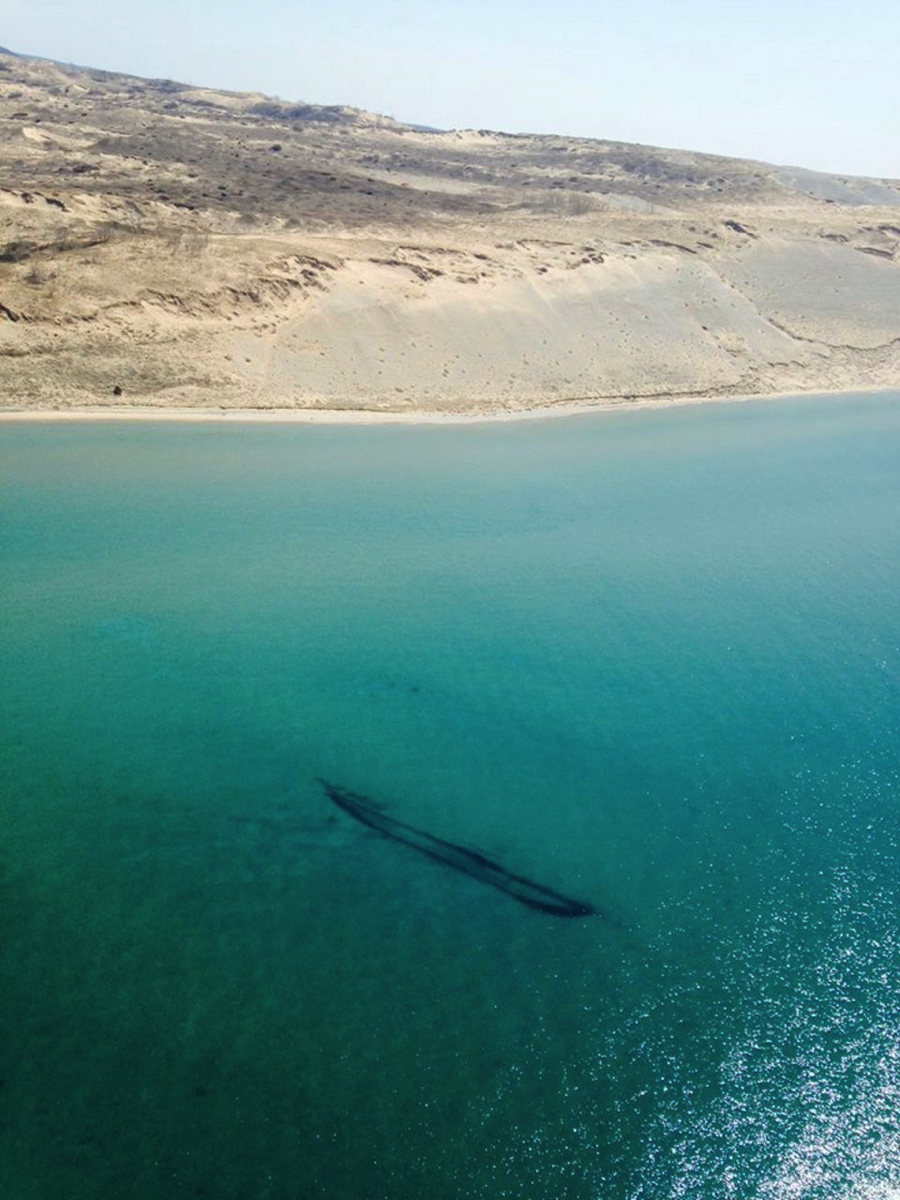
(170, 246)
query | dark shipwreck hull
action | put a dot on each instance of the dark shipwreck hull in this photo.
(468, 862)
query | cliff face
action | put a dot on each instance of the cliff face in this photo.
(168, 245)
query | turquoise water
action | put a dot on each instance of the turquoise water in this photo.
(651, 659)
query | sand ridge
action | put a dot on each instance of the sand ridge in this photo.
(163, 246)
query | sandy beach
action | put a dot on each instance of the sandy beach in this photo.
(344, 416)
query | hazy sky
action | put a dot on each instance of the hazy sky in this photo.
(809, 82)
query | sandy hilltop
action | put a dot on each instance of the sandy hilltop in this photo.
(169, 246)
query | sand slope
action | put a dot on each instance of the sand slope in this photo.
(198, 248)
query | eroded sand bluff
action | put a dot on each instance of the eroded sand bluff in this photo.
(170, 246)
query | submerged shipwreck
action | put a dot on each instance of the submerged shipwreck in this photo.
(469, 862)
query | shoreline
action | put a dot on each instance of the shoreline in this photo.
(361, 416)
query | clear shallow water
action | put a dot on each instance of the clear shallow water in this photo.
(650, 659)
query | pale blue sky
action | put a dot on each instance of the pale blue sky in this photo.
(813, 84)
